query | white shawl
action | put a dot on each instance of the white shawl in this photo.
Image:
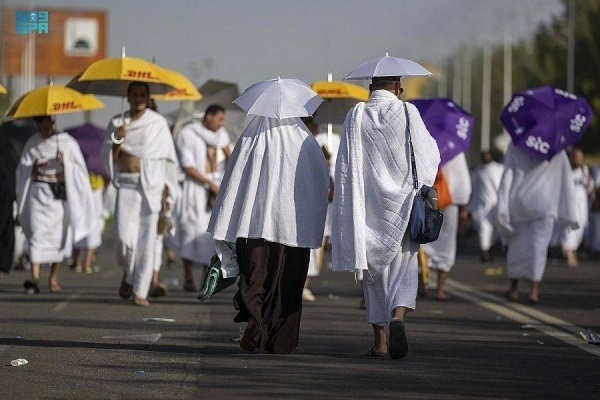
(374, 185)
(456, 172)
(533, 188)
(275, 186)
(149, 139)
(218, 139)
(80, 203)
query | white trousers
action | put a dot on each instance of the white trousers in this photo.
(486, 233)
(135, 232)
(441, 254)
(528, 249)
(94, 239)
(395, 287)
(51, 238)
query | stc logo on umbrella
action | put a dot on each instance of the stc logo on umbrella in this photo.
(517, 102)
(577, 123)
(462, 128)
(131, 73)
(538, 144)
(64, 106)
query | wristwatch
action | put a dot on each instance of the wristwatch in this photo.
(115, 140)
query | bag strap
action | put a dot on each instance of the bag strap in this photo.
(412, 154)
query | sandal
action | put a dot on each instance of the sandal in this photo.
(374, 353)
(398, 344)
(126, 290)
(157, 290)
(138, 301)
(31, 287)
(54, 288)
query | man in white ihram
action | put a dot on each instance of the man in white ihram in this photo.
(140, 155)
(372, 201)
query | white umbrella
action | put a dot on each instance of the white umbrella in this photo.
(279, 98)
(387, 66)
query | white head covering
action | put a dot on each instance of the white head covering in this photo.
(275, 186)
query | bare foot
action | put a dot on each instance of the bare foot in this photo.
(138, 301)
(512, 295)
(534, 298)
(54, 287)
(441, 296)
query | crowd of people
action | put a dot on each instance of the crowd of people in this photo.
(281, 194)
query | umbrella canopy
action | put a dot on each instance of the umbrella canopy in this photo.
(222, 93)
(185, 89)
(545, 120)
(339, 97)
(279, 98)
(112, 76)
(387, 66)
(52, 100)
(450, 125)
(2, 89)
(90, 138)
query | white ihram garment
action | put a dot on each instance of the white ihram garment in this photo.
(139, 195)
(533, 194)
(484, 198)
(94, 239)
(584, 185)
(50, 225)
(373, 197)
(193, 242)
(441, 254)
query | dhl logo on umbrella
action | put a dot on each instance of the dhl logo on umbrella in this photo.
(64, 106)
(330, 92)
(178, 92)
(136, 74)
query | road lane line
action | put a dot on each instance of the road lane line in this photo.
(539, 320)
(61, 306)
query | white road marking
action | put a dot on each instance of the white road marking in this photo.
(541, 321)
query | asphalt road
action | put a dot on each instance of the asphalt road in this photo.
(475, 346)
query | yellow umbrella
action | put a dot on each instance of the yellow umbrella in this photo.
(184, 88)
(111, 76)
(340, 90)
(339, 97)
(2, 89)
(52, 100)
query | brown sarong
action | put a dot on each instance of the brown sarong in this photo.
(269, 297)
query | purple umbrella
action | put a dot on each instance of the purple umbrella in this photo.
(90, 138)
(545, 120)
(450, 125)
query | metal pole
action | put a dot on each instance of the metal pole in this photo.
(486, 93)
(507, 66)
(456, 79)
(571, 48)
(467, 79)
(329, 124)
(442, 82)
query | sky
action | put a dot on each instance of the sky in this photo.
(246, 41)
